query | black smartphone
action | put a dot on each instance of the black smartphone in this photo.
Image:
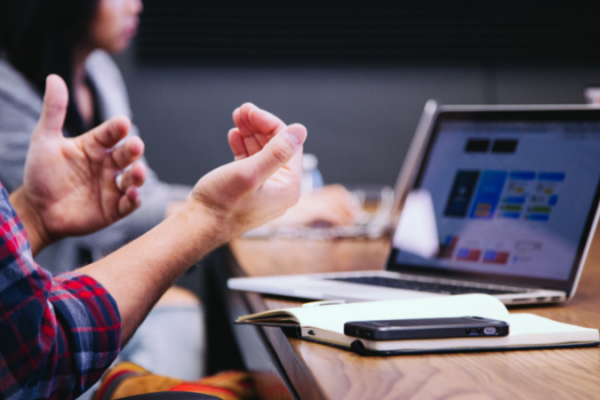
(426, 328)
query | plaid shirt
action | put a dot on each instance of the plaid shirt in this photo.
(57, 334)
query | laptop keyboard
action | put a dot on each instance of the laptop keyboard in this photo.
(426, 286)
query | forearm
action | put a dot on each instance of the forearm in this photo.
(36, 232)
(139, 273)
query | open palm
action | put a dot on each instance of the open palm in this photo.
(71, 182)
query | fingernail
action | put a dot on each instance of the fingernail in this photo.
(296, 133)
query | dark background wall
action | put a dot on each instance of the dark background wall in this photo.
(360, 106)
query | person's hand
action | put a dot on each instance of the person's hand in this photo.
(263, 182)
(332, 205)
(254, 129)
(224, 203)
(69, 186)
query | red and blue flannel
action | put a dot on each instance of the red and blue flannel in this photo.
(57, 334)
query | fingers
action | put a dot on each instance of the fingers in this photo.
(252, 145)
(109, 133)
(129, 182)
(130, 201)
(236, 142)
(340, 215)
(276, 154)
(134, 176)
(96, 142)
(256, 126)
(240, 119)
(264, 122)
(335, 217)
(129, 152)
(341, 199)
(54, 109)
(332, 204)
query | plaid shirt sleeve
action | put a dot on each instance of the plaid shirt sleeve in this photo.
(57, 334)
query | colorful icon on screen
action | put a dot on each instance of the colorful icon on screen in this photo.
(496, 257)
(488, 194)
(466, 254)
(447, 246)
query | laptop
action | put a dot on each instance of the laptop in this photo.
(509, 197)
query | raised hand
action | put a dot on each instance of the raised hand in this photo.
(254, 129)
(69, 186)
(263, 182)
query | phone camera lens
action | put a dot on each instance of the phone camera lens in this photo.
(468, 331)
(480, 331)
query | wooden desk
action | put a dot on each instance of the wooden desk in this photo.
(314, 371)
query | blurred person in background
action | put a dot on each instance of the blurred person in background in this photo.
(73, 39)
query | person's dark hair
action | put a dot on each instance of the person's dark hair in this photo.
(39, 38)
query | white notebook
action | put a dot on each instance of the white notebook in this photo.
(325, 324)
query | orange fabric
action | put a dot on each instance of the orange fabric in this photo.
(223, 394)
(108, 381)
(232, 385)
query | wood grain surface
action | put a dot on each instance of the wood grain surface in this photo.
(339, 374)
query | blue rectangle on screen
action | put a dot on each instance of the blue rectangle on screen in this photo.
(522, 175)
(511, 215)
(488, 194)
(553, 200)
(461, 194)
(539, 217)
(489, 255)
(515, 200)
(463, 253)
(551, 176)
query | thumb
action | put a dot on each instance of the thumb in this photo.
(277, 153)
(54, 109)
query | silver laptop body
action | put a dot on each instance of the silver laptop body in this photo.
(514, 198)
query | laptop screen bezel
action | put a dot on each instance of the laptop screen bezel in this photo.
(498, 114)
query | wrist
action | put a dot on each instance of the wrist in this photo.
(205, 227)
(37, 233)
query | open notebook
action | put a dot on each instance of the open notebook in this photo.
(325, 324)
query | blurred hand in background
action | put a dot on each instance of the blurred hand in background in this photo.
(331, 205)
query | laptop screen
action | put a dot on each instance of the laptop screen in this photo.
(514, 195)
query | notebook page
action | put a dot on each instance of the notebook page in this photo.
(525, 330)
(333, 317)
(531, 327)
